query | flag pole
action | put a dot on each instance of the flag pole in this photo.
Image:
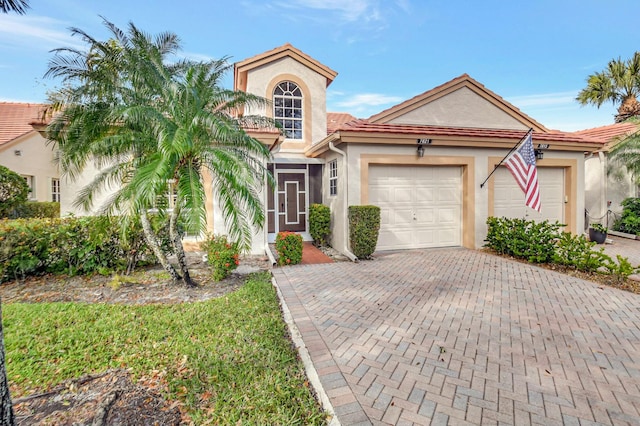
(508, 154)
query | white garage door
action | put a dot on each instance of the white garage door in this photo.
(509, 198)
(420, 206)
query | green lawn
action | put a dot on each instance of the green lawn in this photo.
(228, 360)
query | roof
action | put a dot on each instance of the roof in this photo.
(610, 132)
(455, 84)
(364, 131)
(337, 119)
(286, 50)
(16, 119)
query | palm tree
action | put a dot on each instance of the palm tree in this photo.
(618, 83)
(18, 6)
(147, 123)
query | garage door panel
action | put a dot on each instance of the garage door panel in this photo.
(509, 198)
(402, 217)
(424, 208)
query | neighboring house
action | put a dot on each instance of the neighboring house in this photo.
(422, 161)
(26, 152)
(606, 185)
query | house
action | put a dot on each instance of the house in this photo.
(422, 161)
(25, 151)
(605, 184)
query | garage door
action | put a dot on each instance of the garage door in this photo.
(419, 206)
(509, 198)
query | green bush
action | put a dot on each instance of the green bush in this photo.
(36, 209)
(319, 223)
(629, 221)
(364, 226)
(289, 248)
(73, 246)
(530, 240)
(222, 256)
(575, 251)
(13, 191)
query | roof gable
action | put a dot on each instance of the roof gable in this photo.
(461, 102)
(287, 50)
(16, 120)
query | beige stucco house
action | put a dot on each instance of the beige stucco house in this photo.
(422, 161)
(606, 185)
(427, 199)
(27, 152)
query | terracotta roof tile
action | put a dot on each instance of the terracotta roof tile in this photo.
(610, 132)
(16, 119)
(337, 119)
(364, 126)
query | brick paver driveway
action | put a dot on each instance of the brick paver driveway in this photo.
(461, 337)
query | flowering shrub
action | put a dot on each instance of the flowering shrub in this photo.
(289, 248)
(222, 255)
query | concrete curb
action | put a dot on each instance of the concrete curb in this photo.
(310, 369)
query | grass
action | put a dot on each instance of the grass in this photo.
(227, 360)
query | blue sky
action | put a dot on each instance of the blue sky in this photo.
(536, 54)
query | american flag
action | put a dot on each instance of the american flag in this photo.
(522, 164)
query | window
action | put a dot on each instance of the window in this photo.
(333, 177)
(55, 190)
(31, 183)
(287, 108)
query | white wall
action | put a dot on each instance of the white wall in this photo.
(36, 159)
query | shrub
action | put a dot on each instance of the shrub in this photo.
(575, 251)
(530, 240)
(13, 191)
(319, 223)
(222, 256)
(36, 209)
(73, 246)
(289, 248)
(364, 226)
(629, 221)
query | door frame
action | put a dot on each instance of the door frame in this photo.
(306, 236)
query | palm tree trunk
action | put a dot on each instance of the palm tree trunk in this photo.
(6, 408)
(155, 247)
(176, 240)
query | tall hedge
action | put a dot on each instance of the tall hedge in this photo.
(364, 227)
(37, 209)
(13, 191)
(77, 245)
(319, 223)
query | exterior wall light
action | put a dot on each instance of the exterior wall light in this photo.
(421, 144)
(539, 153)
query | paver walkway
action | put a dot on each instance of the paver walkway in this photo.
(456, 336)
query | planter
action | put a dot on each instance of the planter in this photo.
(597, 236)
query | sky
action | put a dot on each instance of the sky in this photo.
(536, 54)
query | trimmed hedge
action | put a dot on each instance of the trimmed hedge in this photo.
(73, 246)
(36, 209)
(364, 226)
(319, 223)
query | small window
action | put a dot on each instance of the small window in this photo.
(333, 177)
(55, 190)
(287, 108)
(31, 183)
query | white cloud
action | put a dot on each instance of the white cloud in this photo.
(347, 11)
(40, 31)
(544, 99)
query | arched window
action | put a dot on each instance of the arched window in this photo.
(287, 108)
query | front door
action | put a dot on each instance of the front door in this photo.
(292, 201)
